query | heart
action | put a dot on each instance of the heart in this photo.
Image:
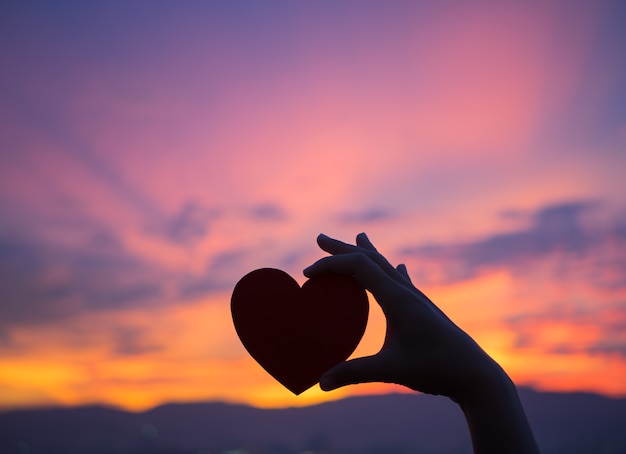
(296, 334)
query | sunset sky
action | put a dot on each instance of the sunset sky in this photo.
(152, 153)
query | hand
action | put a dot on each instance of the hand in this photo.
(423, 348)
(426, 351)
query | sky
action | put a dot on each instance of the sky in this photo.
(153, 153)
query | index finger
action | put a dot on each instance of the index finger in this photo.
(367, 272)
(364, 246)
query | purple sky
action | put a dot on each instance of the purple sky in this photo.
(153, 153)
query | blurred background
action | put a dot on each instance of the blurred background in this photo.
(152, 153)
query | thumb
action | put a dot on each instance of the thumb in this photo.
(360, 370)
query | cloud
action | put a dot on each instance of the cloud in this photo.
(45, 278)
(190, 224)
(222, 270)
(367, 216)
(268, 212)
(42, 282)
(130, 341)
(564, 329)
(562, 230)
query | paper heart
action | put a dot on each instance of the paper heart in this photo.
(296, 334)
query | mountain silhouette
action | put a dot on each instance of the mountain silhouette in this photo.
(395, 423)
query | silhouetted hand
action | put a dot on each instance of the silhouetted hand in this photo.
(425, 351)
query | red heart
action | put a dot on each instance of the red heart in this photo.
(296, 334)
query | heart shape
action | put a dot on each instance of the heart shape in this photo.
(296, 334)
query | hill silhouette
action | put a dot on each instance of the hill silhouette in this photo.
(396, 423)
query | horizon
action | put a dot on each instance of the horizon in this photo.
(523, 390)
(153, 154)
(562, 422)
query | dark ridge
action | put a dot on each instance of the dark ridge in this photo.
(395, 423)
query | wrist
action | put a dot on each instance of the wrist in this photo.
(495, 416)
(490, 382)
